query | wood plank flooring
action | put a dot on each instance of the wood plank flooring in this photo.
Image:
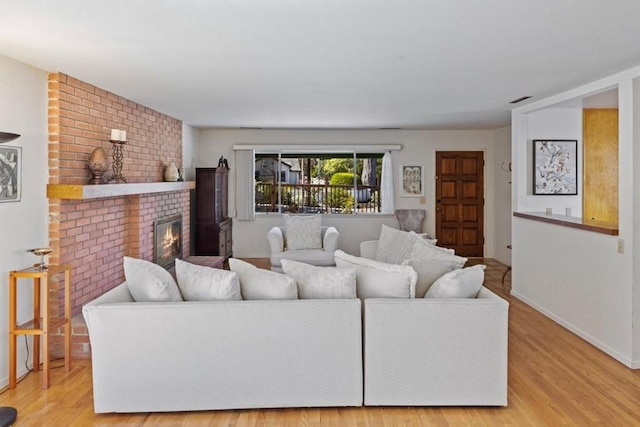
(555, 378)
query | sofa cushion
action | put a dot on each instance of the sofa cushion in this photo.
(415, 247)
(376, 279)
(308, 256)
(200, 283)
(428, 270)
(461, 283)
(259, 284)
(321, 282)
(390, 243)
(148, 282)
(302, 232)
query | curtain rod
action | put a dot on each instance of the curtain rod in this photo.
(346, 148)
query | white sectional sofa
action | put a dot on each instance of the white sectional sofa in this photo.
(436, 352)
(188, 356)
(388, 347)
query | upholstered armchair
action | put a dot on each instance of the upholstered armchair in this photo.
(320, 257)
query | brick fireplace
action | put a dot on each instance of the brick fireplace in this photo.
(93, 235)
(167, 240)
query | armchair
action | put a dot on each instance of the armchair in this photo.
(320, 257)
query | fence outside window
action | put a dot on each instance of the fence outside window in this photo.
(317, 198)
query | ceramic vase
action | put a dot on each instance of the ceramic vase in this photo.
(171, 173)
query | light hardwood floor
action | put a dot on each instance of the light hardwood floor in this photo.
(555, 378)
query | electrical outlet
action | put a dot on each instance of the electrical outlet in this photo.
(620, 246)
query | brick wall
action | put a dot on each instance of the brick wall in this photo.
(94, 235)
(81, 117)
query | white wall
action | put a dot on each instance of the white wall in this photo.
(249, 237)
(190, 137)
(577, 277)
(502, 195)
(551, 123)
(23, 110)
(634, 235)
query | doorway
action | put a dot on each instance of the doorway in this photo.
(460, 201)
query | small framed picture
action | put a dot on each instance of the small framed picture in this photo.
(10, 171)
(412, 180)
(555, 167)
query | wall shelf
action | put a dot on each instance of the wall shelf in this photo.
(84, 192)
(603, 227)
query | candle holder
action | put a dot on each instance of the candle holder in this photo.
(117, 162)
(41, 252)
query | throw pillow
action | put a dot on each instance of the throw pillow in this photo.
(200, 283)
(321, 282)
(302, 232)
(376, 279)
(415, 247)
(390, 243)
(428, 270)
(148, 282)
(257, 283)
(461, 283)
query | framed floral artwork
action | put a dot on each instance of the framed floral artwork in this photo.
(555, 167)
(10, 170)
(412, 181)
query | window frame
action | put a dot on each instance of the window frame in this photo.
(281, 154)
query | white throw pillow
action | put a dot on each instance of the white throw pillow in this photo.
(148, 282)
(389, 244)
(321, 282)
(257, 283)
(303, 232)
(461, 283)
(391, 241)
(376, 279)
(200, 283)
(415, 247)
(428, 270)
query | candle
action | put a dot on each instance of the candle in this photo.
(115, 135)
(123, 135)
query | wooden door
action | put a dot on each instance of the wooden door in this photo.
(600, 160)
(460, 201)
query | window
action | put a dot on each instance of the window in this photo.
(328, 183)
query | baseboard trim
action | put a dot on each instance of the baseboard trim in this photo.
(22, 371)
(579, 332)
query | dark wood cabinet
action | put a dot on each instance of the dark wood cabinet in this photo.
(213, 227)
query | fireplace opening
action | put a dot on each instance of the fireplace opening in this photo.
(167, 237)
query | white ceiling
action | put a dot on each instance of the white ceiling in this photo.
(415, 64)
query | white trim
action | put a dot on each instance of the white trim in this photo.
(610, 82)
(345, 148)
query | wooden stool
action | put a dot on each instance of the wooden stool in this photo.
(42, 324)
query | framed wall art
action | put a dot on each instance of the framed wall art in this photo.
(10, 171)
(555, 167)
(412, 180)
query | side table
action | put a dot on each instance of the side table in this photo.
(42, 323)
(207, 261)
